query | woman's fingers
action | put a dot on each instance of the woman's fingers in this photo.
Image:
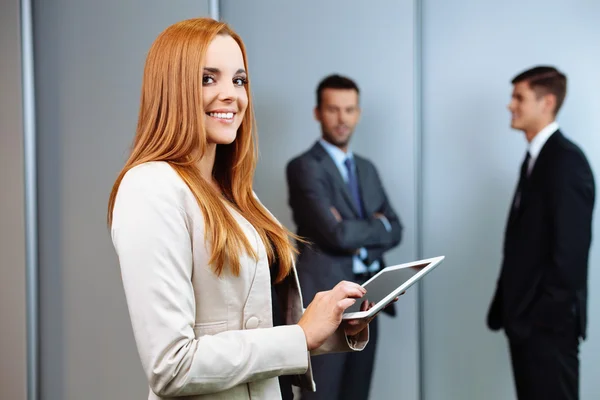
(346, 289)
(365, 305)
(345, 303)
(350, 285)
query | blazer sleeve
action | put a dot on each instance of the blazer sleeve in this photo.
(151, 236)
(376, 252)
(494, 315)
(339, 342)
(336, 343)
(310, 202)
(572, 210)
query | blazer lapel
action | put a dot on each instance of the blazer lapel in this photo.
(290, 299)
(541, 163)
(539, 168)
(333, 171)
(363, 183)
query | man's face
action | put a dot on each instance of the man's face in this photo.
(527, 108)
(338, 114)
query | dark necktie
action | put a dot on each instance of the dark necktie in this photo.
(353, 185)
(522, 180)
(525, 167)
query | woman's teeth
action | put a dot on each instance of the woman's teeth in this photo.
(228, 115)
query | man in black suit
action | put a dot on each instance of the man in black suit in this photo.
(541, 295)
(339, 205)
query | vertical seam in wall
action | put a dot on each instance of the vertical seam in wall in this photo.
(30, 183)
(214, 9)
(418, 138)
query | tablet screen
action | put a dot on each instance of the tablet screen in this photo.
(385, 283)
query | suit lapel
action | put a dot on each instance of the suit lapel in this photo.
(514, 209)
(541, 164)
(363, 183)
(334, 173)
(290, 300)
(539, 168)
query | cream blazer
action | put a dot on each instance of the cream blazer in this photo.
(197, 334)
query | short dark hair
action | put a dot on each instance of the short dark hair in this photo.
(334, 81)
(545, 80)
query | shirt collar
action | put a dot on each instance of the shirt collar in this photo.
(335, 152)
(538, 142)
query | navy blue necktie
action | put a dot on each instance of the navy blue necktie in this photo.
(353, 186)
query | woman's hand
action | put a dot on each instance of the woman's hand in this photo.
(353, 327)
(324, 314)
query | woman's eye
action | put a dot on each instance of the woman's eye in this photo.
(240, 81)
(207, 80)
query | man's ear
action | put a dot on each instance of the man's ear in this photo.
(550, 103)
(317, 113)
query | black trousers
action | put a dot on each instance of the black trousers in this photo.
(546, 366)
(345, 376)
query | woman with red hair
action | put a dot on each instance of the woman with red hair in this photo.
(208, 272)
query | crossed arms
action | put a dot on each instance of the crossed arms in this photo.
(310, 200)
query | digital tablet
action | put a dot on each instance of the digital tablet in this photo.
(388, 283)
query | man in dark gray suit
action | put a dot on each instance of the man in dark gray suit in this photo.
(340, 207)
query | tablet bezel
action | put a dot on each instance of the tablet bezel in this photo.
(432, 263)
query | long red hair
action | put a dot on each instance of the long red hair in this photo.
(171, 128)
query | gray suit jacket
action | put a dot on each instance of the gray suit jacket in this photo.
(314, 186)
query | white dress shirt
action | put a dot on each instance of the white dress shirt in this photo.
(538, 142)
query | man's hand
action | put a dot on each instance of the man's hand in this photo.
(338, 217)
(336, 214)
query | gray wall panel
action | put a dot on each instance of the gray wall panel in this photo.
(471, 50)
(13, 379)
(291, 46)
(89, 63)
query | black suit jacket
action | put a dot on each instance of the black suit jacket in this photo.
(314, 186)
(543, 279)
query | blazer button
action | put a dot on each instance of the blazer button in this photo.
(252, 323)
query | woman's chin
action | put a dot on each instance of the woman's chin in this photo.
(222, 137)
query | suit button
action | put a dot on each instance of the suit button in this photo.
(252, 323)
